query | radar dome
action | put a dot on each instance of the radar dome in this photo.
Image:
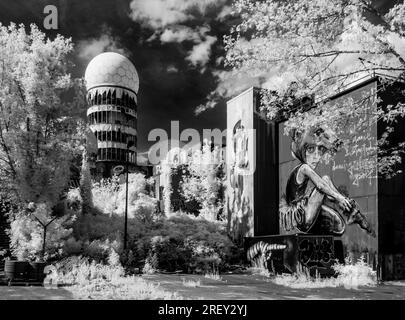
(111, 69)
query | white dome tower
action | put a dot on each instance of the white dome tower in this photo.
(112, 86)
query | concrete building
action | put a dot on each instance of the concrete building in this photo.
(112, 85)
(260, 163)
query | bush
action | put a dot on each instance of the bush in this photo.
(349, 275)
(178, 242)
(82, 270)
(155, 242)
(105, 195)
(183, 242)
(352, 275)
(91, 280)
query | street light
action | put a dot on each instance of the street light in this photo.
(129, 145)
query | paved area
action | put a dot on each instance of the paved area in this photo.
(256, 287)
(34, 293)
(230, 287)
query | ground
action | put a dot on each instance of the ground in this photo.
(229, 287)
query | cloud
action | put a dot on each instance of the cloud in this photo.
(157, 13)
(230, 84)
(172, 69)
(88, 49)
(224, 13)
(161, 13)
(180, 34)
(200, 54)
(171, 20)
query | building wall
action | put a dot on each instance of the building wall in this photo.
(240, 165)
(349, 175)
(266, 215)
(112, 117)
(391, 200)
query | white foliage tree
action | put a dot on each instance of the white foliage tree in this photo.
(39, 134)
(205, 181)
(37, 125)
(314, 48)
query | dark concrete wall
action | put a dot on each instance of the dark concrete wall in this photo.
(265, 177)
(391, 195)
(252, 195)
(360, 184)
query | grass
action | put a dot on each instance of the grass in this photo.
(259, 271)
(123, 288)
(191, 283)
(91, 280)
(349, 276)
(213, 276)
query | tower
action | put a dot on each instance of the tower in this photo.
(112, 85)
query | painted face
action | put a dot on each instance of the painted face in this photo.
(314, 153)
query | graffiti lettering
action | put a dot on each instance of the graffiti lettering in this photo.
(259, 253)
(315, 252)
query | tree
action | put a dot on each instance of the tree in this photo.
(204, 182)
(312, 48)
(38, 124)
(40, 135)
(89, 153)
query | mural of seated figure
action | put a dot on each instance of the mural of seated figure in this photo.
(312, 204)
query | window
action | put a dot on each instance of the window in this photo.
(109, 117)
(109, 97)
(114, 98)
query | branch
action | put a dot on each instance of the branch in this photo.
(7, 151)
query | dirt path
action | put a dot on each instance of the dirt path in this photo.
(234, 287)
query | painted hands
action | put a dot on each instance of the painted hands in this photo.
(344, 203)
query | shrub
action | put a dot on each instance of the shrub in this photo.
(349, 275)
(92, 280)
(155, 242)
(82, 270)
(183, 242)
(352, 275)
(105, 195)
(197, 186)
(178, 242)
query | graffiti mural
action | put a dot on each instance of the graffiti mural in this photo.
(240, 143)
(260, 253)
(240, 166)
(316, 252)
(239, 203)
(312, 203)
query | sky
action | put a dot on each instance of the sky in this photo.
(175, 45)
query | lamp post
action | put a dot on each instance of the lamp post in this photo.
(129, 145)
